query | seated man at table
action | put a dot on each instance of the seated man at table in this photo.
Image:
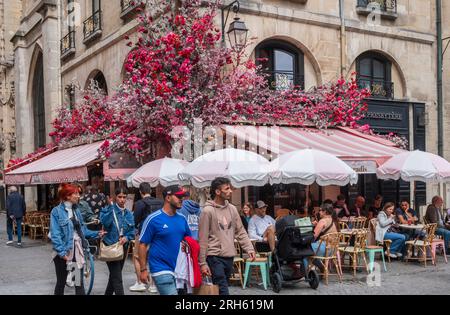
(434, 215)
(261, 227)
(406, 215)
(340, 207)
(359, 208)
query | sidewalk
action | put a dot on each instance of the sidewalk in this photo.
(29, 270)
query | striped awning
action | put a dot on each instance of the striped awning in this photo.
(348, 144)
(62, 166)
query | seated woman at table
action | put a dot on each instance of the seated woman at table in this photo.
(246, 214)
(327, 224)
(386, 230)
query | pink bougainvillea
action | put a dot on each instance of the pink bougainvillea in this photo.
(178, 71)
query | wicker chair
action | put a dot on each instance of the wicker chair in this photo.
(331, 242)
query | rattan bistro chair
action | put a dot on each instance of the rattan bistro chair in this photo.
(356, 251)
(331, 255)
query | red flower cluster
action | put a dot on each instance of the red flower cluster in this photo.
(178, 71)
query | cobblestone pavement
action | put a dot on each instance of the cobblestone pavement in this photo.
(29, 270)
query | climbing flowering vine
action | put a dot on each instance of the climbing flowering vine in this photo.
(178, 71)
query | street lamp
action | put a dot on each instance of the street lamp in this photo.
(237, 32)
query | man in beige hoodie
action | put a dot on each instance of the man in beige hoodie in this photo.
(220, 224)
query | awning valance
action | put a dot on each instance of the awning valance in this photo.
(67, 165)
(348, 144)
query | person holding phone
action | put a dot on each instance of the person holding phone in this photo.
(387, 230)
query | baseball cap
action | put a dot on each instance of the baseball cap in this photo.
(260, 204)
(175, 190)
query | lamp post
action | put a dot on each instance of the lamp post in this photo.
(237, 32)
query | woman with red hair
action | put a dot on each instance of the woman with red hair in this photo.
(68, 234)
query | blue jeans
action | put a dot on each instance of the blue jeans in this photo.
(322, 248)
(398, 242)
(166, 284)
(446, 234)
(9, 228)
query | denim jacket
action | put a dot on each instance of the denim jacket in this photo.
(61, 229)
(126, 224)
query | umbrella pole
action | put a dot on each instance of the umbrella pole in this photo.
(306, 202)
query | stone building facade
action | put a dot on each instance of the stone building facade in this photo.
(10, 12)
(309, 42)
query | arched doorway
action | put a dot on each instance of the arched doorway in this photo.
(38, 103)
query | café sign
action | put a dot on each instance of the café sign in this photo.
(363, 167)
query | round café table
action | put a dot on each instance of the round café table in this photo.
(411, 227)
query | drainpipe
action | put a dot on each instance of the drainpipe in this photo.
(343, 38)
(440, 96)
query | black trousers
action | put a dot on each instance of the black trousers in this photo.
(221, 269)
(61, 277)
(115, 283)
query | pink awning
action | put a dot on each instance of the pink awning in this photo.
(67, 165)
(345, 143)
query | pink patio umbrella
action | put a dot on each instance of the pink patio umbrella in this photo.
(416, 166)
(159, 172)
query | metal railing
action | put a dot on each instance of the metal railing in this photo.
(377, 87)
(387, 6)
(128, 5)
(92, 25)
(280, 80)
(68, 43)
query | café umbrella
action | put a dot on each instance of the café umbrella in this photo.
(310, 166)
(242, 168)
(162, 172)
(416, 166)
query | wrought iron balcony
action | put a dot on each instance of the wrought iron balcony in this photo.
(129, 7)
(92, 27)
(378, 88)
(68, 45)
(386, 8)
(279, 80)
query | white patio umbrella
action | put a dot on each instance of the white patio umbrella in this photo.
(163, 171)
(416, 166)
(308, 166)
(242, 168)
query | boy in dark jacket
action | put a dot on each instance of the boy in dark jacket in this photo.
(15, 210)
(142, 209)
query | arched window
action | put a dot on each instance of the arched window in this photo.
(283, 63)
(39, 104)
(374, 73)
(100, 81)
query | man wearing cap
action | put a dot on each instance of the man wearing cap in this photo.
(261, 226)
(220, 224)
(163, 231)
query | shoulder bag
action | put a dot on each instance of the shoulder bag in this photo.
(112, 252)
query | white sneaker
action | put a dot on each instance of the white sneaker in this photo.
(392, 255)
(399, 255)
(138, 287)
(153, 289)
(9, 242)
